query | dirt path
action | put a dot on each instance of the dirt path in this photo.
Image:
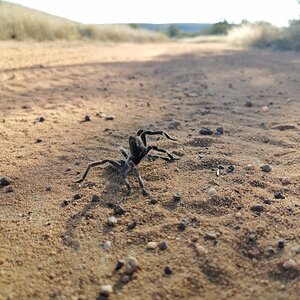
(51, 244)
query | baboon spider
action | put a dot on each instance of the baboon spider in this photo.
(138, 150)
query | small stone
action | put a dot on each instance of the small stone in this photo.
(230, 169)
(257, 208)
(48, 189)
(153, 201)
(270, 250)
(266, 168)
(249, 167)
(112, 221)
(284, 127)
(205, 131)
(38, 141)
(210, 236)
(119, 265)
(5, 181)
(168, 271)
(151, 246)
(125, 279)
(106, 246)
(76, 197)
(65, 203)
(119, 210)
(267, 201)
(41, 119)
(265, 108)
(248, 104)
(212, 192)
(110, 118)
(163, 245)
(9, 189)
(281, 244)
(131, 225)
(278, 195)
(181, 226)
(290, 264)
(106, 290)
(201, 251)
(220, 130)
(87, 118)
(95, 198)
(285, 181)
(178, 153)
(174, 124)
(131, 265)
(177, 197)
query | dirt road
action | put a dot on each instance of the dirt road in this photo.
(227, 237)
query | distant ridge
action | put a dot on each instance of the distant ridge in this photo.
(184, 27)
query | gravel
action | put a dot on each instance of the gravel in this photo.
(206, 131)
(112, 221)
(177, 197)
(5, 181)
(131, 265)
(163, 245)
(266, 168)
(151, 246)
(168, 271)
(106, 289)
(106, 245)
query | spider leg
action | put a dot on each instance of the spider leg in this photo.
(124, 152)
(116, 165)
(139, 178)
(171, 157)
(143, 133)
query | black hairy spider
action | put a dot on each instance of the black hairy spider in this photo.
(138, 150)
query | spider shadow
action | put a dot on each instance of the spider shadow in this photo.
(107, 199)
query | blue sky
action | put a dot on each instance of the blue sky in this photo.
(277, 12)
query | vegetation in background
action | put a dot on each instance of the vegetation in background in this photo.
(220, 28)
(20, 23)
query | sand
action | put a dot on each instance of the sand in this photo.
(51, 245)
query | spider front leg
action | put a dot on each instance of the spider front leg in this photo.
(115, 164)
(142, 133)
(170, 156)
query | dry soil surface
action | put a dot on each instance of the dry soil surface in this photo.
(224, 234)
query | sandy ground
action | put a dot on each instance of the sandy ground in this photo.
(229, 247)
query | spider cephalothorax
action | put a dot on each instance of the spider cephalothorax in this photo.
(138, 150)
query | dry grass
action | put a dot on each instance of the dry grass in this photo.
(20, 23)
(265, 35)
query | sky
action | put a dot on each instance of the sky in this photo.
(277, 12)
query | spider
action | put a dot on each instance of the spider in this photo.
(138, 151)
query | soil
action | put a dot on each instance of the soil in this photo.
(222, 235)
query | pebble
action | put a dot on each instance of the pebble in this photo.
(119, 210)
(270, 250)
(249, 167)
(278, 195)
(87, 118)
(285, 181)
(119, 265)
(4, 181)
(106, 289)
(281, 244)
(151, 246)
(110, 118)
(168, 271)
(125, 279)
(200, 250)
(267, 201)
(174, 124)
(220, 130)
(248, 104)
(112, 221)
(181, 226)
(206, 131)
(48, 189)
(65, 203)
(95, 198)
(257, 208)
(41, 119)
(106, 246)
(212, 192)
(38, 141)
(178, 153)
(153, 201)
(290, 264)
(177, 197)
(163, 245)
(230, 169)
(131, 225)
(210, 236)
(76, 197)
(264, 108)
(131, 265)
(266, 168)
